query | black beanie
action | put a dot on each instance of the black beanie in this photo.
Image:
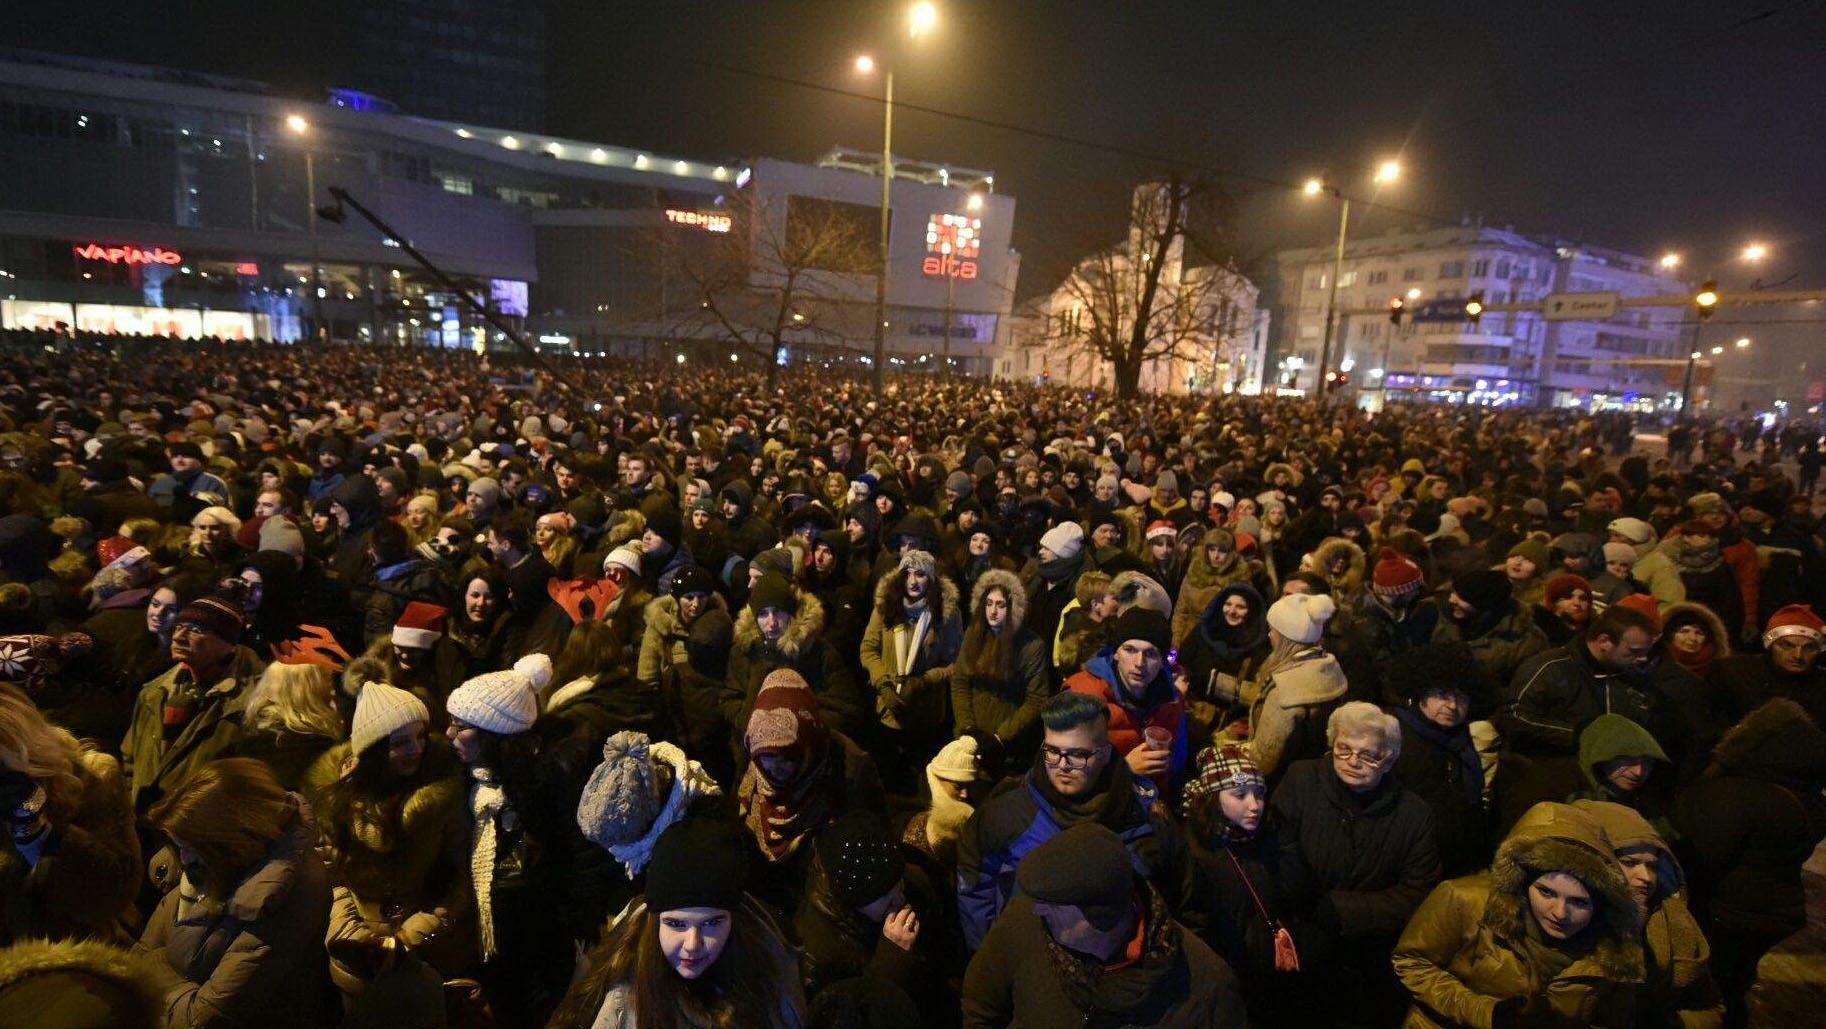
(665, 524)
(185, 448)
(697, 863)
(1086, 865)
(860, 859)
(690, 579)
(106, 470)
(1141, 623)
(1486, 589)
(772, 591)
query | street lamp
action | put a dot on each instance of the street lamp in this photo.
(922, 18)
(298, 126)
(1386, 172)
(1704, 303)
(1670, 261)
(1755, 252)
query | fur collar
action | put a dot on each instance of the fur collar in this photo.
(1009, 582)
(1558, 837)
(134, 980)
(807, 625)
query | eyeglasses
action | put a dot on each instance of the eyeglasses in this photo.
(1069, 760)
(1368, 758)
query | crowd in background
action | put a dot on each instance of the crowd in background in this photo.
(355, 686)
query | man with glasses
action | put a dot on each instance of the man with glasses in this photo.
(1074, 779)
(190, 715)
(1615, 668)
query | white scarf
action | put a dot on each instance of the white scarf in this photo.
(486, 801)
(689, 782)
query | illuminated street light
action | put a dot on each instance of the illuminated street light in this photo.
(1414, 293)
(1313, 187)
(1670, 261)
(975, 203)
(297, 124)
(922, 18)
(1755, 252)
(1744, 342)
(1718, 350)
(865, 65)
(1388, 171)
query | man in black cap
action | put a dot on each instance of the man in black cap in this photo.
(1481, 611)
(1087, 941)
(332, 454)
(188, 489)
(665, 550)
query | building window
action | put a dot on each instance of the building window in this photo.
(1316, 281)
(1410, 274)
(1378, 277)
(1452, 270)
(1369, 330)
(1502, 267)
(1347, 279)
(1480, 267)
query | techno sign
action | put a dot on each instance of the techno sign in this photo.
(709, 221)
(126, 254)
(953, 243)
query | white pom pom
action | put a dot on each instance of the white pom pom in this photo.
(537, 667)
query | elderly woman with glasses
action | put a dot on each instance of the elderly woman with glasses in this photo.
(1357, 857)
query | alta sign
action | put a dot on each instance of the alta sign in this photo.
(1580, 307)
(127, 254)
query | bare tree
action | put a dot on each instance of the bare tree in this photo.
(1157, 294)
(784, 273)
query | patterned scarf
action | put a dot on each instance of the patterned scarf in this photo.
(487, 800)
(781, 815)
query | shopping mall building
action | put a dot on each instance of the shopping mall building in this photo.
(156, 201)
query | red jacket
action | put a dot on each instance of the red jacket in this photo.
(1098, 679)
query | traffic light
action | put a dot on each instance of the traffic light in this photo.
(1396, 307)
(1706, 299)
(1474, 308)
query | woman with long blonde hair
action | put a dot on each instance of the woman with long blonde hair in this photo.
(291, 717)
(74, 861)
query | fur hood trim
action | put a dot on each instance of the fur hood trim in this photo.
(947, 592)
(127, 983)
(1561, 838)
(1721, 640)
(807, 625)
(1133, 589)
(662, 613)
(1009, 582)
(1777, 741)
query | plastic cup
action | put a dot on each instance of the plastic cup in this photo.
(1158, 738)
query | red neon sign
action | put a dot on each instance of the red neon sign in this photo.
(953, 243)
(127, 254)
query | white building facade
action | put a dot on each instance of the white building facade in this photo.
(1507, 357)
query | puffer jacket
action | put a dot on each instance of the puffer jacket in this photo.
(1022, 977)
(1462, 953)
(1678, 989)
(1161, 707)
(1008, 708)
(254, 958)
(415, 885)
(920, 704)
(1754, 819)
(1287, 718)
(87, 868)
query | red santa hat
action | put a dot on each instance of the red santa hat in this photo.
(1794, 620)
(419, 626)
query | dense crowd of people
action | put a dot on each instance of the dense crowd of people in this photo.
(355, 686)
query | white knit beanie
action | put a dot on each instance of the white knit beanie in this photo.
(957, 761)
(379, 710)
(1301, 617)
(625, 556)
(1065, 540)
(504, 702)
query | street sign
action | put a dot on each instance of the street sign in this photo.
(1440, 311)
(1580, 307)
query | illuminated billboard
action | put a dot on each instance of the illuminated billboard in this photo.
(126, 254)
(954, 242)
(709, 221)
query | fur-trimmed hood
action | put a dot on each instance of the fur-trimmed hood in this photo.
(662, 613)
(1008, 582)
(1561, 838)
(947, 591)
(1321, 558)
(1133, 589)
(807, 625)
(1778, 743)
(121, 988)
(1628, 830)
(1280, 466)
(1689, 611)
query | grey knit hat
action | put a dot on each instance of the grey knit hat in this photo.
(283, 535)
(619, 802)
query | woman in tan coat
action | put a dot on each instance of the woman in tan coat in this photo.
(1549, 936)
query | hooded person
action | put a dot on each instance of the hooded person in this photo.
(1215, 564)
(781, 626)
(1694, 636)
(1527, 566)
(1000, 679)
(1549, 936)
(1751, 822)
(1343, 566)
(1624, 765)
(355, 505)
(1653, 569)
(684, 654)
(800, 776)
(1678, 988)
(1087, 941)
(908, 650)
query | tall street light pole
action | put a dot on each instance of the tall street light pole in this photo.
(1704, 302)
(302, 128)
(1386, 172)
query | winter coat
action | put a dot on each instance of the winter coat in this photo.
(911, 691)
(83, 873)
(1371, 860)
(1718, 640)
(1348, 585)
(1376, 634)
(685, 667)
(1443, 768)
(1609, 737)
(1025, 812)
(254, 958)
(844, 705)
(414, 885)
(289, 755)
(1500, 645)
(1288, 712)
(1210, 649)
(97, 702)
(836, 943)
(1023, 978)
(1741, 684)
(1678, 989)
(1202, 584)
(391, 588)
(1236, 926)
(154, 766)
(1160, 707)
(1463, 952)
(1008, 708)
(110, 986)
(1754, 820)
(1657, 572)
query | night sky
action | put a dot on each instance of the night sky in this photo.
(1685, 125)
